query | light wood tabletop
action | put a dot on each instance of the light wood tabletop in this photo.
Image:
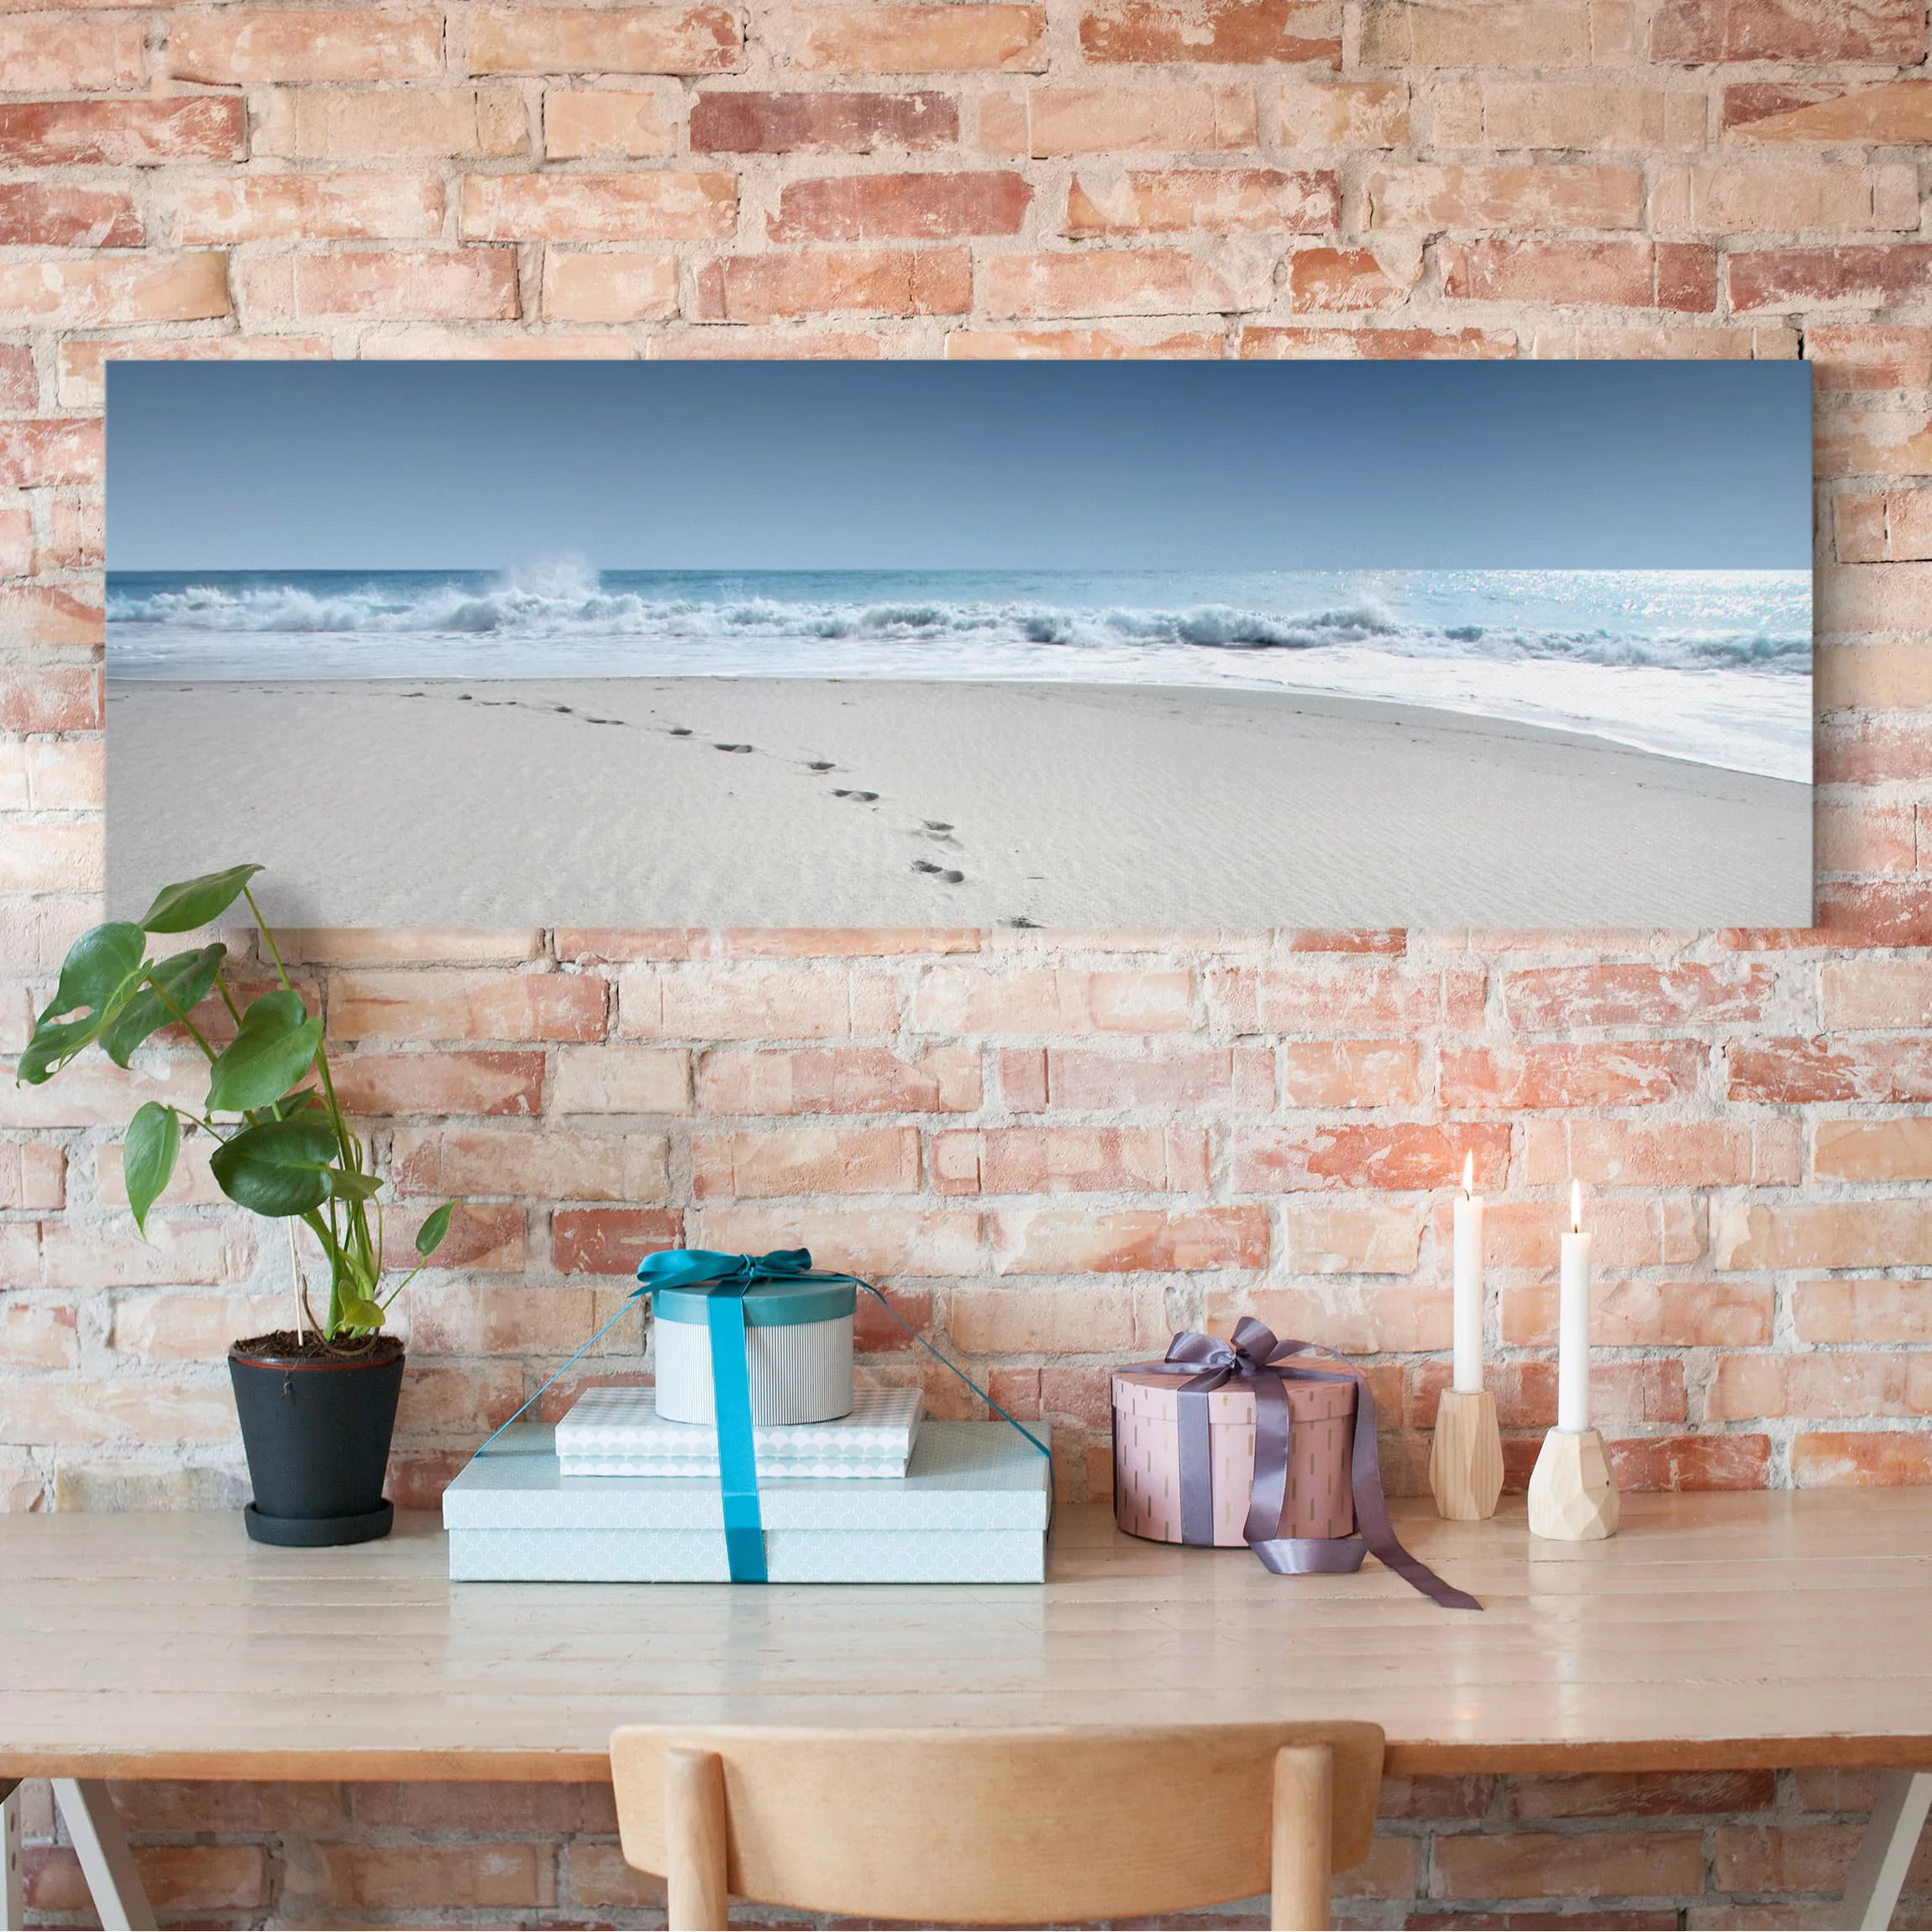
(1716, 1629)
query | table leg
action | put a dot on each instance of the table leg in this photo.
(95, 1826)
(1877, 1874)
(12, 1880)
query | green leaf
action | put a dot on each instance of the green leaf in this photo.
(353, 1187)
(99, 976)
(429, 1236)
(195, 901)
(273, 1046)
(147, 1159)
(278, 1169)
(185, 977)
(361, 1315)
(307, 1099)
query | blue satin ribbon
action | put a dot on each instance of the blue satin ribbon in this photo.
(725, 1278)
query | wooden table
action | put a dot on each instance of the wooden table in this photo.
(1716, 1630)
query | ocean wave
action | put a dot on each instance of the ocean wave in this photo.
(560, 602)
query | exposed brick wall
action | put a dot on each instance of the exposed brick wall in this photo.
(1054, 1149)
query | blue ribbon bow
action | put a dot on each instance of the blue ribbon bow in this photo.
(725, 1279)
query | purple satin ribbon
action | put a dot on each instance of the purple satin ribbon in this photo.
(1256, 1357)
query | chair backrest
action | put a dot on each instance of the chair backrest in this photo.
(1006, 1827)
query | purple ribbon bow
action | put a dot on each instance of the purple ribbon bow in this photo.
(1262, 1364)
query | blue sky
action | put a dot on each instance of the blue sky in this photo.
(1172, 465)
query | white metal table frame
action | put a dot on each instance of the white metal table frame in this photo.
(1872, 1887)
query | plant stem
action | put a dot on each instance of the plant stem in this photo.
(267, 938)
(200, 1038)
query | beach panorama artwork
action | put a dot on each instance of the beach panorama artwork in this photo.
(1310, 644)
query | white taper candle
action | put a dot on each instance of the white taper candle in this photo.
(1573, 1323)
(1468, 1312)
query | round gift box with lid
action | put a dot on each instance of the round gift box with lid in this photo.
(798, 1348)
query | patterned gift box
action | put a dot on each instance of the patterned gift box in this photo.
(619, 1432)
(1319, 1500)
(972, 1507)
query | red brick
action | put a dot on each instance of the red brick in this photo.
(1896, 113)
(489, 1083)
(1554, 998)
(60, 214)
(1053, 1241)
(655, 204)
(1544, 33)
(917, 40)
(453, 285)
(1804, 30)
(1841, 1384)
(61, 54)
(1403, 1157)
(1610, 274)
(309, 208)
(1836, 1310)
(295, 43)
(1323, 113)
(1157, 32)
(1627, 1073)
(1787, 198)
(19, 384)
(1860, 1458)
(1205, 200)
(1069, 1160)
(1539, 196)
(838, 1080)
(874, 1332)
(438, 1877)
(178, 1878)
(1190, 117)
(1077, 344)
(611, 1241)
(1507, 111)
(354, 125)
(51, 700)
(836, 282)
(751, 124)
(604, 40)
(1875, 275)
(1640, 1795)
(743, 1001)
(16, 542)
(557, 1164)
(34, 614)
(1675, 1153)
(1802, 1072)
(606, 285)
(1367, 997)
(136, 134)
(83, 380)
(52, 451)
(1267, 343)
(1542, 1865)
(1116, 282)
(106, 291)
(467, 1005)
(872, 1242)
(1891, 1233)
(980, 1000)
(804, 1160)
(921, 208)
(610, 124)
(1342, 281)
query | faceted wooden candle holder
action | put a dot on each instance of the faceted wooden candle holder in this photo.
(1466, 1461)
(1572, 1494)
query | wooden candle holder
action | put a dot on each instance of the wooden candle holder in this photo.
(1466, 1461)
(1572, 1493)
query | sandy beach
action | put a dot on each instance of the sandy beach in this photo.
(794, 802)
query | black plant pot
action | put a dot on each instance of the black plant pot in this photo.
(317, 1431)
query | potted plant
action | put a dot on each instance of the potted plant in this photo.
(317, 1401)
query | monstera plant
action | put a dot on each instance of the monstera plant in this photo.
(314, 1431)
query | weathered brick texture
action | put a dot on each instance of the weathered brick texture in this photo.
(1050, 1148)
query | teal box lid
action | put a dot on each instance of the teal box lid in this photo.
(771, 1304)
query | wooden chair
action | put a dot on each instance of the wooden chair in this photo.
(1002, 1828)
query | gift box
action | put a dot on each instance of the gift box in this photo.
(798, 1350)
(972, 1508)
(620, 1432)
(1318, 1502)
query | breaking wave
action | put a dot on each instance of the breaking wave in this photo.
(560, 600)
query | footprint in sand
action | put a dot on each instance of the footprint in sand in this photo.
(863, 797)
(821, 764)
(951, 877)
(1024, 923)
(677, 730)
(733, 747)
(565, 709)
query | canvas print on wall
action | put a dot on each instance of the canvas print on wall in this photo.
(935, 644)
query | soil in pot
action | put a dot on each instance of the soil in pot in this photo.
(316, 1419)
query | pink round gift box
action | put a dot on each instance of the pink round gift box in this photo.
(1321, 1499)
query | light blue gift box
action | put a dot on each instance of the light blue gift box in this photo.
(972, 1508)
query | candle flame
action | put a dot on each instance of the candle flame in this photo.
(1576, 1207)
(1469, 1172)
